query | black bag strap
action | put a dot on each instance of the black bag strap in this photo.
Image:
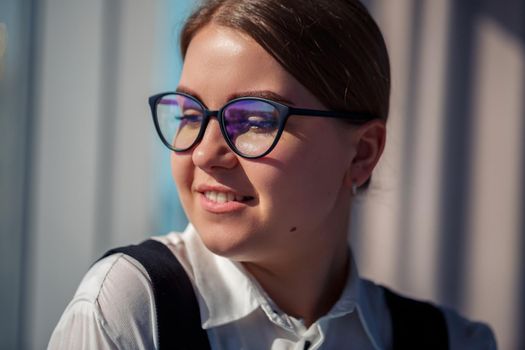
(178, 316)
(416, 324)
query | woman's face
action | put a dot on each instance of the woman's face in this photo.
(294, 198)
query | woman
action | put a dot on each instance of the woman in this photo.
(277, 121)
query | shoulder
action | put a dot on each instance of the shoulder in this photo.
(112, 307)
(467, 334)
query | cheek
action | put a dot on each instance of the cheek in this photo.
(319, 161)
(182, 172)
(316, 181)
(307, 180)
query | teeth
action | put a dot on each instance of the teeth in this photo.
(222, 197)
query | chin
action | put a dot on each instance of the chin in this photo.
(226, 243)
(233, 244)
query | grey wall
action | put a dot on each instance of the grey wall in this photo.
(15, 140)
(81, 169)
(444, 217)
(72, 99)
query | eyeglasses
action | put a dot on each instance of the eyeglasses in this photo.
(251, 126)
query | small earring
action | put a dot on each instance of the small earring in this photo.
(354, 188)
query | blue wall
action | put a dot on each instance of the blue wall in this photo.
(169, 213)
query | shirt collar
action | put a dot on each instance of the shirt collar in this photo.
(355, 296)
(226, 292)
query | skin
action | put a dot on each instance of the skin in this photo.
(292, 236)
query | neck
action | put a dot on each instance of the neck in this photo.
(305, 283)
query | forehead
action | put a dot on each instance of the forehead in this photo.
(222, 61)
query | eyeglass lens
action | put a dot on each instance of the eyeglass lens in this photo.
(251, 125)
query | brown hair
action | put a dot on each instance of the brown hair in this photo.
(332, 47)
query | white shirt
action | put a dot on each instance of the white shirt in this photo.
(114, 308)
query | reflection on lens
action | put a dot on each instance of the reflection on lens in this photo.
(253, 144)
(251, 126)
(180, 120)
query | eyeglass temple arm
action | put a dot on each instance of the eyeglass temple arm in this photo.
(354, 116)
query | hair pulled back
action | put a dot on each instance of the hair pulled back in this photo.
(332, 47)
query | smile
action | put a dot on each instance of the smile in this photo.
(224, 197)
(221, 197)
(223, 201)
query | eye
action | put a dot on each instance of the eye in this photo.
(190, 117)
(263, 123)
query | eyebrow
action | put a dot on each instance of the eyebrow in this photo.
(267, 94)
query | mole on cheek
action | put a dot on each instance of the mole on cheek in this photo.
(293, 229)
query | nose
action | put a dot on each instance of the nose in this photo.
(212, 152)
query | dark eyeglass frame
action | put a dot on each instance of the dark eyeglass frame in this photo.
(285, 112)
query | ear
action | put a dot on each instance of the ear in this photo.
(369, 142)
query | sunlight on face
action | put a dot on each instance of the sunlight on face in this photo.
(293, 198)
